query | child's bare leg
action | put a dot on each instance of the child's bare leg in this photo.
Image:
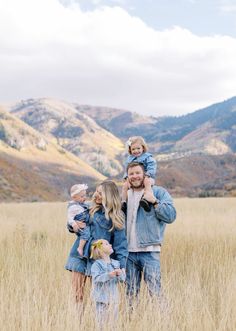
(148, 183)
(144, 202)
(124, 192)
(80, 249)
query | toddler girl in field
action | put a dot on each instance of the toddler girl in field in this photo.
(77, 210)
(106, 274)
(137, 149)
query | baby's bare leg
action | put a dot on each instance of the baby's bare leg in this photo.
(80, 249)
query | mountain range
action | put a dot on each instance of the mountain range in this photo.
(211, 130)
(46, 145)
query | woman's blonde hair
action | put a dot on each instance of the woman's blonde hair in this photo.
(111, 203)
(97, 249)
(134, 140)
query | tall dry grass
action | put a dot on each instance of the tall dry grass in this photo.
(198, 272)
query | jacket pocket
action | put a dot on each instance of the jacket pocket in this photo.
(148, 229)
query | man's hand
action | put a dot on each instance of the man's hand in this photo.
(149, 196)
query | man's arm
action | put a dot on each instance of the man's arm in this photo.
(163, 204)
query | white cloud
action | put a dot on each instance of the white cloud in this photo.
(228, 8)
(96, 2)
(119, 2)
(107, 57)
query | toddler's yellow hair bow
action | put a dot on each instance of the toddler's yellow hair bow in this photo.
(96, 245)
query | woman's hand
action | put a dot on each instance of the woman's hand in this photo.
(78, 225)
(81, 224)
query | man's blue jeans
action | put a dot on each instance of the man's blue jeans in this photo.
(148, 264)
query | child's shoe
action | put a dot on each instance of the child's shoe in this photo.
(124, 207)
(146, 205)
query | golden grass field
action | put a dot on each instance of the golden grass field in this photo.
(198, 262)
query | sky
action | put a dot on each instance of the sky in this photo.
(153, 57)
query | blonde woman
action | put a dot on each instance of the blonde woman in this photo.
(106, 222)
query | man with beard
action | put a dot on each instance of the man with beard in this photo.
(145, 231)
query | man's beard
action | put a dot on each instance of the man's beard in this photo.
(137, 187)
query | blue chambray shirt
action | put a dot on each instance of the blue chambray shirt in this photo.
(104, 287)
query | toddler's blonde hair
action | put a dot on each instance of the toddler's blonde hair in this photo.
(134, 140)
(97, 249)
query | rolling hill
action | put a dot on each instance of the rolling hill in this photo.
(73, 130)
(33, 168)
(199, 175)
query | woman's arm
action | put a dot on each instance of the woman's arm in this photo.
(120, 247)
(81, 226)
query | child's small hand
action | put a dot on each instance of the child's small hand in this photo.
(118, 272)
(112, 273)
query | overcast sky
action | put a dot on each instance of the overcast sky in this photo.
(156, 57)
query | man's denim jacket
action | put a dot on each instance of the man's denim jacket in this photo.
(150, 226)
(149, 163)
(105, 289)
